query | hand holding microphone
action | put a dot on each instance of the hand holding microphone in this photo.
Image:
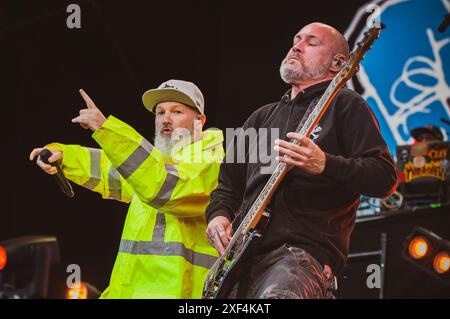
(48, 161)
(89, 118)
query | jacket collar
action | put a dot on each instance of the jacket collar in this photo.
(308, 93)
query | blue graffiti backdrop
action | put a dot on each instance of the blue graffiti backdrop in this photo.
(405, 75)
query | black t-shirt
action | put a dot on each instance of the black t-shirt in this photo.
(314, 212)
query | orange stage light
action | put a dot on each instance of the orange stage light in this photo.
(77, 292)
(3, 258)
(418, 247)
(441, 262)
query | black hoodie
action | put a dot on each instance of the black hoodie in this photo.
(314, 212)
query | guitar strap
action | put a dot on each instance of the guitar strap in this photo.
(309, 110)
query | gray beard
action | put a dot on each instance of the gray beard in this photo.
(164, 143)
(292, 74)
(172, 144)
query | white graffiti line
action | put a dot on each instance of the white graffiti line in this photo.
(446, 4)
(428, 94)
(371, 92)
(397, 121)
(360, 14)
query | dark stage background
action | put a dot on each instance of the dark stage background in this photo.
(231, 49)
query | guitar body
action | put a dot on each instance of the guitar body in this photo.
(220, 285)
(233, 270)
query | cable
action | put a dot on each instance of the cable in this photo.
(393, 202)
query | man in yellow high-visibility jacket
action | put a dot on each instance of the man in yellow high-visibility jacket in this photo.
(164, 252)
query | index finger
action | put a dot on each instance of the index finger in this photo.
(301, 138)
(89, 103)
(35, 152)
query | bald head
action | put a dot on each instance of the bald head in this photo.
(318, 52)
(336, 41)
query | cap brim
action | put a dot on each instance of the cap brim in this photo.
(151, 98)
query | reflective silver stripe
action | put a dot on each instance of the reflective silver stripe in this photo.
(95, 178)
(140, 154)
(115, 189)
(128, 246)
(166, 249)
(160, 228)
(167, 188)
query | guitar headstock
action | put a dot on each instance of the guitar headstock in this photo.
(356, 56)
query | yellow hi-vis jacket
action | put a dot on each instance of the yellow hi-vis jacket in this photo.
(164, 252)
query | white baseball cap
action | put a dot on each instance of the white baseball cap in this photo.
(175, 91)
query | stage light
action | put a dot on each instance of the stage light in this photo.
(77, 292)
(428, 252)
(441, 263)
(3, 258)
(25, 264)
(83, 291)
(418, 247)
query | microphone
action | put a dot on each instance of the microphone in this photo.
(61, 180)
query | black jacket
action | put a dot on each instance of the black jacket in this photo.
(314, 212)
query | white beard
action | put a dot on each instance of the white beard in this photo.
(170, 145)
(163, 143)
